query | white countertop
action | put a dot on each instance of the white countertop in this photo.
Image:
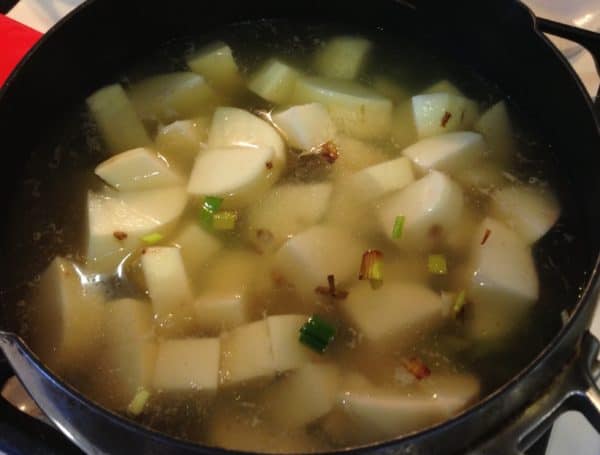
(572, 434)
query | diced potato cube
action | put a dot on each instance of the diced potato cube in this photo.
(307, 126)
(390, 89)
(286, 211)
(68, 312)
(240, 175)
(503, 283)
(443, 86)
(342, 57)
(188, 365)
(377, 181)
(404, 130)
(169, 289)
(439, 113)
(431, 206)
(450, 152)
(308, 258)
(217, 311)
(397, 312)
(235, 272)
(137, 169)
(355, 155)
(356, 110)
(118, 221)
(274, 81)
(246, 354)
(216, 63)
(288, 352)
(529, 211)
(129, 351)
(302, 397)
(197, 247)
(233, 127)
(181, 140)
(172, 96)
(495, 125)
(117, 120)
(485, 177)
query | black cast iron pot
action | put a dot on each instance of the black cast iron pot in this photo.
(500, 40)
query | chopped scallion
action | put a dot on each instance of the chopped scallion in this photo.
(459, 303)
(398, 227)
(153, 238)
(225, 220)
(210, 206)
(138, 403)
(437, 264)
(317, 334)
(371, 268)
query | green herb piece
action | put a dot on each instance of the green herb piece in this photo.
(137, 405)
(153, 238)
(437, 264)
(225, 220)
(371, 268)
(317, 334)
(459, 303)
(398, 227)
(210, 206)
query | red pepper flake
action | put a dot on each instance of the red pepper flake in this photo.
(269, 164)
(486, 236)
(446, 118)
(329, 152)
(331, 290)
(416, 367)
(435, 231)
(371, 268)
(144, 250)
(120, 235)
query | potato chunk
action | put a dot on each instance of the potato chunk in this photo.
(217, 310)
(503, 283)
(377, 181)
(450, 152)
(172, 96)
(355, 155)
(431, 206)
(118, 221)
(274, 81)
(169, 289)
(233, 127)
(181, 141)
(197, 247)
(246, 354)
(129, 350)
(117, 120)
(307, 126)
(443, 86)
(495, 125)
(239, 175)
(188, 365)
(342, 57)
(286, 211)
(288, 352)
(216, 63)
(302, 397)
(68, 311)
(397, 313)
(137, 169)
(439, 113)
(356, 110)
(530, 211)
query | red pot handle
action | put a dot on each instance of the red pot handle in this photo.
(15, 41)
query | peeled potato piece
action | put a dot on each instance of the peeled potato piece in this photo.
(274, 81)
(354, 155)
(288, 352)
(377, 181)
(495, 125)
(450, 152)
(172, 96)
(431, 206)
(439, 113)
(69, 311)
(390, 89)
(197, 247)
(233, 127)
(286, 211)
(129, 350)
(397, 313)
(503, 280)
(443, 86)
(118, 221)
(240, 175)
(342, 57)
(119, 124)
(530, 211)
(218, 310)
(181, 140)
(216, 63)
(169, 289)
(306, 127)
(356, 110)
(137, 169)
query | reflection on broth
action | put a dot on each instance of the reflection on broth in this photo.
(291, 248)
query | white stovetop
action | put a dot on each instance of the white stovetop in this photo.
(572, 434)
